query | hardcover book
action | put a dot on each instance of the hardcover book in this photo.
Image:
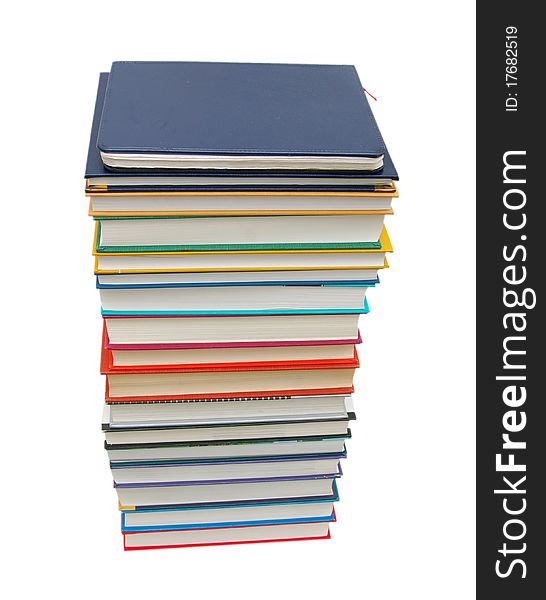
(226, 535)
(100, 179)
(187, 331)
(268, 116)
(210, 518)
(204, 234)
(325, 491)
(233, 204)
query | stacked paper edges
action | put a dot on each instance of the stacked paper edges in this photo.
(236, 238)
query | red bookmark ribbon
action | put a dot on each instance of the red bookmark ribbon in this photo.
(370, 95)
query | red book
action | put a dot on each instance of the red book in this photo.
(245, 534)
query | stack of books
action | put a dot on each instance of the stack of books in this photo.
(239, 222)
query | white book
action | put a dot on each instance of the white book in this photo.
(134, 415)
(224, 471)
(179, 181)
(226, 450)
(226, 514)
(213, 231)
(226, 535)
(231, 277)
(233, 203)
(226, 383)
(223, 492)
(234, 298)
(233, 432)
(136, 358)
(235, 329)
(231, 263)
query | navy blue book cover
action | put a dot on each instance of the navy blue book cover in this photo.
(96, 169)
(237, 108)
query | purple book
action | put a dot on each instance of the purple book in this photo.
(337, 474)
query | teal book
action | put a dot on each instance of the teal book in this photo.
(220, 313)
(107, 240)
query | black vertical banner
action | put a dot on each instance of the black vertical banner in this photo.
(511, 329)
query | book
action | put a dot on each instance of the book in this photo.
(187, 280)
(219, 412)
(304, 494)
(225, 204)
(195, 264)
(268, 116)
(233, 299)
(226, 535)
(305, 487)
(296, 345)
(142, 453)
(141, 312)
(164, 331)
(242, 521)
(234, 470)
(224, 460)
(281, 430)
(192, 384)
(99, 179)
(163, 234)
(184, 518)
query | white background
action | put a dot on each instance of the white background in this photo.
(406, 519)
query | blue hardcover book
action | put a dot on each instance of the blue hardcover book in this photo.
(331, 496)
(286, 180)
(171, 115)
(127, 516)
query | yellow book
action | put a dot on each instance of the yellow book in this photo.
(186, 204)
